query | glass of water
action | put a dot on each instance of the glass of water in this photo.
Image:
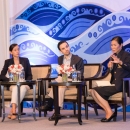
(74, 76)
(22, 76)
(78, 76)
(10, 77)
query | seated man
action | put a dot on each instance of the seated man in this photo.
(68, 59)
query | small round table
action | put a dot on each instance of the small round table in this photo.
(79, 86)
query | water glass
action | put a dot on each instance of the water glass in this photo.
(74, 76)
(10, 77)
(78, 76)
(22, 76)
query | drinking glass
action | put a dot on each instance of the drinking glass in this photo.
(78, 76)
(10, 77)
(22, 76)
(74, 76)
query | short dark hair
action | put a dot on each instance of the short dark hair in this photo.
(58, 46)
(12, 46)
(118, 39)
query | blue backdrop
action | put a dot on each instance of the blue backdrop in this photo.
(88, 28)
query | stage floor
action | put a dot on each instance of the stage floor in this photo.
(42, 123)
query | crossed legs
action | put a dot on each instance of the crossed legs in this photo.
(103, 103)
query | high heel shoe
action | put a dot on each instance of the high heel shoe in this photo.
(113, 116)
(103, 119)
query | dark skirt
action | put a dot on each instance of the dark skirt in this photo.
(106, 91)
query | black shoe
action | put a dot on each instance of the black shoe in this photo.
(113, 116)
(46, 107)
(103, 119)
(52, 118)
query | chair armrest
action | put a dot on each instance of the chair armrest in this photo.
(97, 78)
(90, 79)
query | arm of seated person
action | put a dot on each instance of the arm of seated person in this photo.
(3, 78)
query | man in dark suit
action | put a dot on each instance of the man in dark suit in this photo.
(68, 59)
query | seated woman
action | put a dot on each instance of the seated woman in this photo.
(119, 66)
(16, 60)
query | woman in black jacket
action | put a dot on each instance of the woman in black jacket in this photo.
(119, 66)
(16, 60)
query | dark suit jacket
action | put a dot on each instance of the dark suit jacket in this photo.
(121, 71)
(75, 60)
(25, 63)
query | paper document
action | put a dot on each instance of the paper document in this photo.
(104, 83)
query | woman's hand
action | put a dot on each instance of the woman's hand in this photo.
(110, 64)
(116, 60)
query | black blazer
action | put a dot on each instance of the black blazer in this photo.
(75, 60)
(25, 63)
(121, 71)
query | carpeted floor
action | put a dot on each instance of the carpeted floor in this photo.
(42, 123)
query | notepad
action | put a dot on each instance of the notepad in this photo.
(104, 83)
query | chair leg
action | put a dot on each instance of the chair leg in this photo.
(22, 107)
(39, 113)
(39, 104)
(45, 113)
(116, 108)
(86, 111)
(115, 112)
(124, 110)
(74, 107)
(95, 109)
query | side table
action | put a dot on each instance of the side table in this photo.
(79, 86)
